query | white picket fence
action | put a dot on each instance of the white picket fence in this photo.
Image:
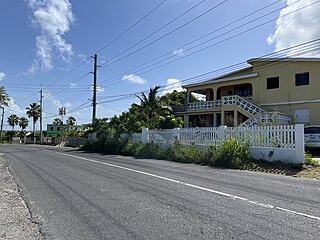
(283, 143)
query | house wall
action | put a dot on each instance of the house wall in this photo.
(288, 97)
(62, 129)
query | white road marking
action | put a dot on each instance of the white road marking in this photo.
(234, 197)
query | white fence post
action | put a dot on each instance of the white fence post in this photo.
(299, 142)
(222, 133)
(176, 134)
(145, 135)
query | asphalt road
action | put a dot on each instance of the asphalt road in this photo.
(78, 195)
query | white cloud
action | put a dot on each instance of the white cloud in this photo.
(82, 56)
(2, 75)
(134, 79)
(172, 84)
(298, 27)
(178, 51)
(53, 18)
(73, 85)
(55, 103)
(14, 108)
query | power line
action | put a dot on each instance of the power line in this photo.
(296, 52)
(219, 42)
(180, 47)
(73, 109)
(113, 40)
(110, 62)
(132, 26)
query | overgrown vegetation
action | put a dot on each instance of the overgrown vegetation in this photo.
(154, 112)
(230, 154)
(308, 160)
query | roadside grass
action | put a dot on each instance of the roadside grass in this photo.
(230, 154)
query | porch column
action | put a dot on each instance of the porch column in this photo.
(235, 118)
(214, 94)
(186, 120)
(222, 118)
(187, 98)
(215, 120)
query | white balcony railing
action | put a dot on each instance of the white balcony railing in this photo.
(208, 105)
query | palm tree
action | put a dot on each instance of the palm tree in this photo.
(57, 121)
(34, 111)
(13, 120)
(4, 98)
(71, 120)
(150, 107)
(23, 123)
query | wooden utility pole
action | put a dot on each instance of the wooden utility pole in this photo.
(94, 98)
(41, 116)
(1, 134)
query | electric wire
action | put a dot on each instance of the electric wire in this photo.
(216, 43)
(132, 26)
(275, 54)
(114, 60)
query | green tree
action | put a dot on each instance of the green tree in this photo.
(23, 123)
(174, 98)
(4, 98)
(13, 120)
(71, 120)
(34, 111)
(151, 108)
(170, 121)
(57, 121)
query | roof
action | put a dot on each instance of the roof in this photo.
(226, 77)
(222, 78)
(288, 59)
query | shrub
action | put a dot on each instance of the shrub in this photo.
(150, 150)
(188, 154)
(231, 154)
(308, 160)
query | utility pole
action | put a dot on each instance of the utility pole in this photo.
(41, 116)
(2, 124)
(94, 98)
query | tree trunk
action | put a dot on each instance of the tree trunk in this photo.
(34, 132)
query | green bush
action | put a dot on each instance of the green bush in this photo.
(231, 154)
(188, 154)
(150, 150)
(308, 160)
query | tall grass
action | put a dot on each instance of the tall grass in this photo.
(230, 154)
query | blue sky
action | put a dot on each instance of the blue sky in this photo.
(43, 42)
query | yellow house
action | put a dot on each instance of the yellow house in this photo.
(272, 91)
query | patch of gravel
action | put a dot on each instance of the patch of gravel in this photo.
(15, 218)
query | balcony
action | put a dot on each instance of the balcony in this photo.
(198, 107)
(204, 106)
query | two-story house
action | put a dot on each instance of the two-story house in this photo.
(271, 91)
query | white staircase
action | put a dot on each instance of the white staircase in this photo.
(255, 113)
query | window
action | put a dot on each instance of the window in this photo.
(51, 128)
(58, 128)
(302, 79)
(272, 82)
